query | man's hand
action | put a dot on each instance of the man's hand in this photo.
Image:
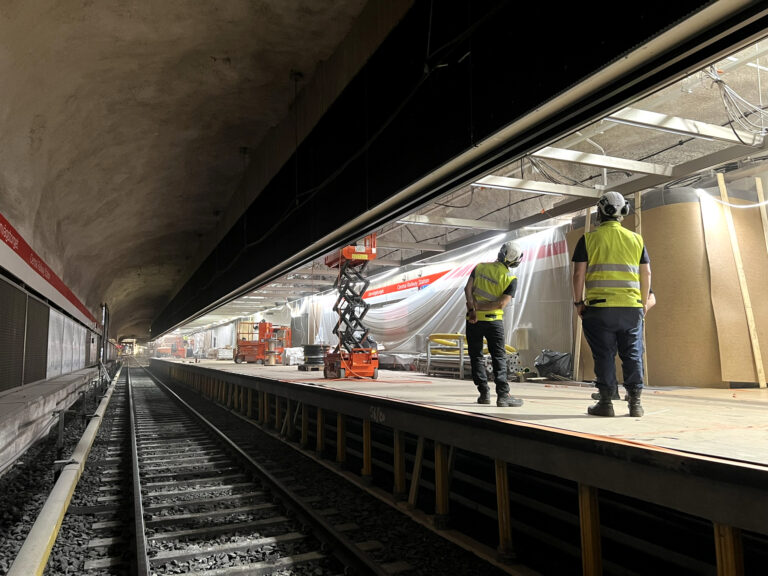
(472, 316)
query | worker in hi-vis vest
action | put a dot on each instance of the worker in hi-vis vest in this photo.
(490, 288)
(612, 269)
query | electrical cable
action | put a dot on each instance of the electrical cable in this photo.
(467, 205)
(703, 195)
(738, 109)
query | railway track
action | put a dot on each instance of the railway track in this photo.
(207, 507)
(173, 483)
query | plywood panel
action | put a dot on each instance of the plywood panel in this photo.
(727, 304)
(681, 339)
(751, 241)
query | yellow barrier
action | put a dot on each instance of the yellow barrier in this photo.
(451, 340)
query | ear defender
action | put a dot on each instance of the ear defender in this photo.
(613, 205)
(625, 209)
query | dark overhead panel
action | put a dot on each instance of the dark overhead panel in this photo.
(449, 76)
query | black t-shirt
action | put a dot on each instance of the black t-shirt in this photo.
(511, 289)
(580, 253)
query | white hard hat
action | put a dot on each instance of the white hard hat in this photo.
(510, 253)
(613, 205)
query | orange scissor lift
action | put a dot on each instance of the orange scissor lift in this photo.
(353, 356)
(261, 342)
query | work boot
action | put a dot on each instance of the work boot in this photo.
(604, 407)
(507, 401)
(635, 407)
(485, 397)
(614, 396)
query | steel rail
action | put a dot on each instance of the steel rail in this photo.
(140, 537)
(339, 546)
(34, 553)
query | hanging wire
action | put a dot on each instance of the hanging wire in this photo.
(469, 203)
(738, 110)
(724, 203)
(547, 171)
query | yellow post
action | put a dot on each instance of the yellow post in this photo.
(304, 425)
(589, 517)
(289, 416)
(277, 412)
(506, 547)
(367, 470)
(442, 486)
(264, 409)
(341, 438)
(320, 439)
(728, 550)
(398, 466)
(413, 494)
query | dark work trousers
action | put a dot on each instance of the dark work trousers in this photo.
(611, 330)
(493, 331)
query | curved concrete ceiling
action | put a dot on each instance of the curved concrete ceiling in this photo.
(135, 135)
(125, 130)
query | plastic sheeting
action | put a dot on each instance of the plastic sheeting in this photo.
(540, 315)
(223, 336)
(66, 345)
(55, 337)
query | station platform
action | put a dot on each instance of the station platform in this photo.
(730, 424)
(699, 452)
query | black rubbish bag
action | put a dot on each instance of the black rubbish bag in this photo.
(552, 364)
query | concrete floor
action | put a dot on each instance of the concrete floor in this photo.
(727, 424)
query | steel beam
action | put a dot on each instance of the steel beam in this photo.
(601, 161)
(423, 220)
(535, 187)
(410, 246)
(684, 127)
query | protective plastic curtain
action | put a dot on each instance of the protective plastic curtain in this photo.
(280, 315)
(78, 356)
(67, 342)
(539, 317)
(224, 335)
(55, 337)
(67, 347)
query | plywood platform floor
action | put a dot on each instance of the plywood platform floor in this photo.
(725, 423)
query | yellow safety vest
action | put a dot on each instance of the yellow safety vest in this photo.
(613, 267)
(491, 279)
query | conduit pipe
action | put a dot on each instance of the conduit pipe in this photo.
(33, 556)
